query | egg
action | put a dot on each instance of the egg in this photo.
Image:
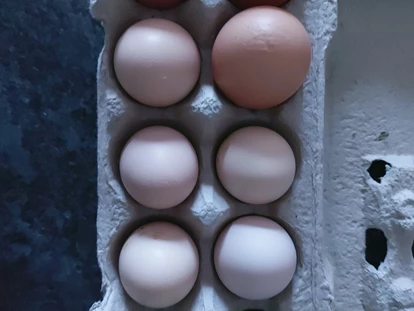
(160, 4)
(255, 258)
(244, 4)
(261, 57)
(256, 165)
(159, 167)
(158, 265)
(157, 62)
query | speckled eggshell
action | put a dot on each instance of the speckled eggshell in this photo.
(261, 57)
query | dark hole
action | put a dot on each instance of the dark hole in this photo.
(412, 249)
(378, 169)
(375, 247)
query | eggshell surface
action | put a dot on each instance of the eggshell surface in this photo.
(159, 167)
(160, 4)
(244, 4)
(261, 57)
(158, 265)
(256, 165)
(157, 62)
(255, 258)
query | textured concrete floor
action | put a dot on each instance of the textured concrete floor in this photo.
(48, 57)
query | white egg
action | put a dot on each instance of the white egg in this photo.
(158, 265)
(159, 167)
(157, 62)
(256, 165)
(255, 258)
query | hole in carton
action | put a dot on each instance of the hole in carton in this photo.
(375, 247)
(412, 249)
(378, 169)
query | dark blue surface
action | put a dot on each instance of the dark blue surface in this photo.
(48, 56)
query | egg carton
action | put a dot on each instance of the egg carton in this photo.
(206, 118)
(369, 122)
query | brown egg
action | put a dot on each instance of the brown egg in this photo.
(261, 57)
(160, 4)
(245, 4)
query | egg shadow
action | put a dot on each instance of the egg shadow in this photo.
(244, 6)
(213, 16)
(296, 7)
